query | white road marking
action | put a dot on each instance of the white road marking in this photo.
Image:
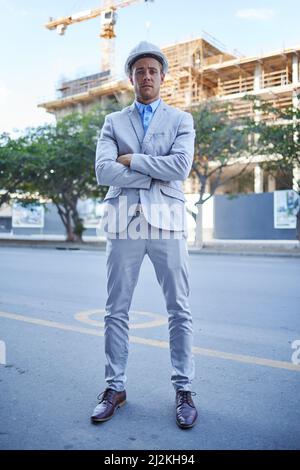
(157, 319)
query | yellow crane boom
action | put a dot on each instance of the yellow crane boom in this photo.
(108, 20)
(87, 14)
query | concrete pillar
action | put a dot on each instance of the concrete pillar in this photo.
(258, 179)
(257, 77)
(187, 185)
(80, 108)
(295, 106)
(199, 227)
(295, 98)
(295, 69)
(296, 178)
(207, 186)
(257, 87)
(271, 184)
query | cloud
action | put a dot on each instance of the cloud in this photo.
(255, 14)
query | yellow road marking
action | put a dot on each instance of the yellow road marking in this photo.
(158, 320)
(157, 343)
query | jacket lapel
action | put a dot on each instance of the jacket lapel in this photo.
(136, 122)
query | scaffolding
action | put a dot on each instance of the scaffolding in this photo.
(199, 69)
(185, 84)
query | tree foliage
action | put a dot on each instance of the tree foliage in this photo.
(55, 162)
(220, 142)
(278, 138)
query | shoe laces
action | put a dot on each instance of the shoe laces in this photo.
(106, 396)
(185, 396)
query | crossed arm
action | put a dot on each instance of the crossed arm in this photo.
(137, 170)
(109, 171)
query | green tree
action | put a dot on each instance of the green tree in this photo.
(221, 142)
(55, 162)
(13, 156)
(62, 169)
(278, 138)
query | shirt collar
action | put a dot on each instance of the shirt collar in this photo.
(141, 106)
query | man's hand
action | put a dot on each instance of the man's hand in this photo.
(125, 159)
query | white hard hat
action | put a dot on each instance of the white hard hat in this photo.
(146, 49)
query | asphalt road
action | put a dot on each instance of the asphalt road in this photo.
(246, 317)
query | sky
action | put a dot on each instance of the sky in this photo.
(33, 60)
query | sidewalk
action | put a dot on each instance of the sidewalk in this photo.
(289, 248)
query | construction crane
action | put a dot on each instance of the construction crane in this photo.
(108, 14)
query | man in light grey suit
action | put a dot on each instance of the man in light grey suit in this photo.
(144, 153)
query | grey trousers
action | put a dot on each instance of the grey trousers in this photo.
(169, 257)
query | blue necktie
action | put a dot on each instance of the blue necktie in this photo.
(147, 116)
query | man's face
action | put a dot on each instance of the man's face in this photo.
(146, 77)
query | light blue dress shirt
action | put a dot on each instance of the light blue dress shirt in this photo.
(147, 111)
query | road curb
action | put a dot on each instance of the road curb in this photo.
(232, 249)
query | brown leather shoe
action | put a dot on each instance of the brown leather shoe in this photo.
(186, 413)
(110, 400)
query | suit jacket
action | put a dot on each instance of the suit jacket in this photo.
(162, 159)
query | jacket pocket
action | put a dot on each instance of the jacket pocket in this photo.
(172, 192)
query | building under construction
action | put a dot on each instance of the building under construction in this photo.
(200, 69)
